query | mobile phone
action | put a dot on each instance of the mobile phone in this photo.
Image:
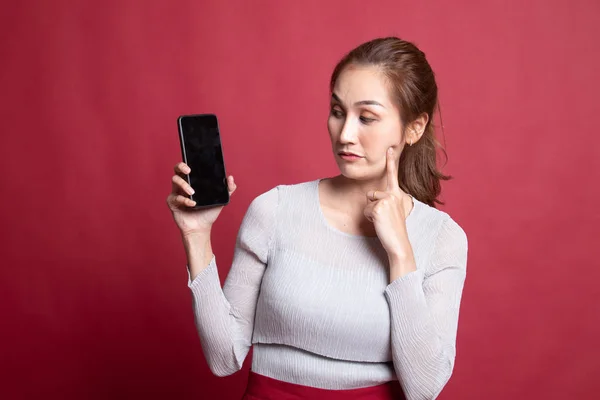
(202, 151)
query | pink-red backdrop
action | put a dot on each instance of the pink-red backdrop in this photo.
(93, 284)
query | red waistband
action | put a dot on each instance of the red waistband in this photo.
(262, 387)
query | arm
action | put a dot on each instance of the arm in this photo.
(224, 317)
(424, 308)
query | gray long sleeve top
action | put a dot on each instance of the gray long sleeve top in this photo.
(317, 305)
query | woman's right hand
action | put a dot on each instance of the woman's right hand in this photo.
(188, 220)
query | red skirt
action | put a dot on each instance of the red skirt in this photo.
(262, 387)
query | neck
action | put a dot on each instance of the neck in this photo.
(355, 191)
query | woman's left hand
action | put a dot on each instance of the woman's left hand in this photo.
(387, 210)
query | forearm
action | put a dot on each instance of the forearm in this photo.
(223, 343)
(424, 308)
(199, 252)
(422, 361)
(225, 315)
(401, 260)
(401, 265)
(424, 323)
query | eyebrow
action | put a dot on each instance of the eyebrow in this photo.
(358, 103)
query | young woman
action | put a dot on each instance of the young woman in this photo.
(347, 287)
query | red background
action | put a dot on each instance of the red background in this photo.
(93, 287)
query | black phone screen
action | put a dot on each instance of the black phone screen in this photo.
(202, 152)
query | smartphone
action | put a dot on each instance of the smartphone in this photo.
(201, 150)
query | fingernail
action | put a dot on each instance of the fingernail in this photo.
(191, 191)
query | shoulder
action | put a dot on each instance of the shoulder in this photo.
(287, 192)
(269, 200)
(298, 188)
(434, 217)
(450, 238)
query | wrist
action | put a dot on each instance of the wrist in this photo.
(198, 251)
(401, 264)
(196, 234)
(400, 253)
(196, 244)
(399, 258)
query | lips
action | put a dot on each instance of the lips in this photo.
(349, 154)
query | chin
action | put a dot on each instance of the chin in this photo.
(355, 172)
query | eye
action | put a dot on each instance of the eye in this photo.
(336, 113)
(366, 120)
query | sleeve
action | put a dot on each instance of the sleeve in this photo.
(424, 308)
(224, 317)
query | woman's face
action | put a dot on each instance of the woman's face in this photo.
(363, 123)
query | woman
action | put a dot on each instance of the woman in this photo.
(347, 287)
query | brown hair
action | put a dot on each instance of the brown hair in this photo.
(415, 92)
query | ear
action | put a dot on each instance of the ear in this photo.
(415, 129)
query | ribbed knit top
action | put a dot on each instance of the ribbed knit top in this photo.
(317, 305)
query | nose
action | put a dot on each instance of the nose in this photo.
(349, 132)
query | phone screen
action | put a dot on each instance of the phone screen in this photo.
(202, 152)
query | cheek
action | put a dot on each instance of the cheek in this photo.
(377, 141)
(333, 126)
(391, 136)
